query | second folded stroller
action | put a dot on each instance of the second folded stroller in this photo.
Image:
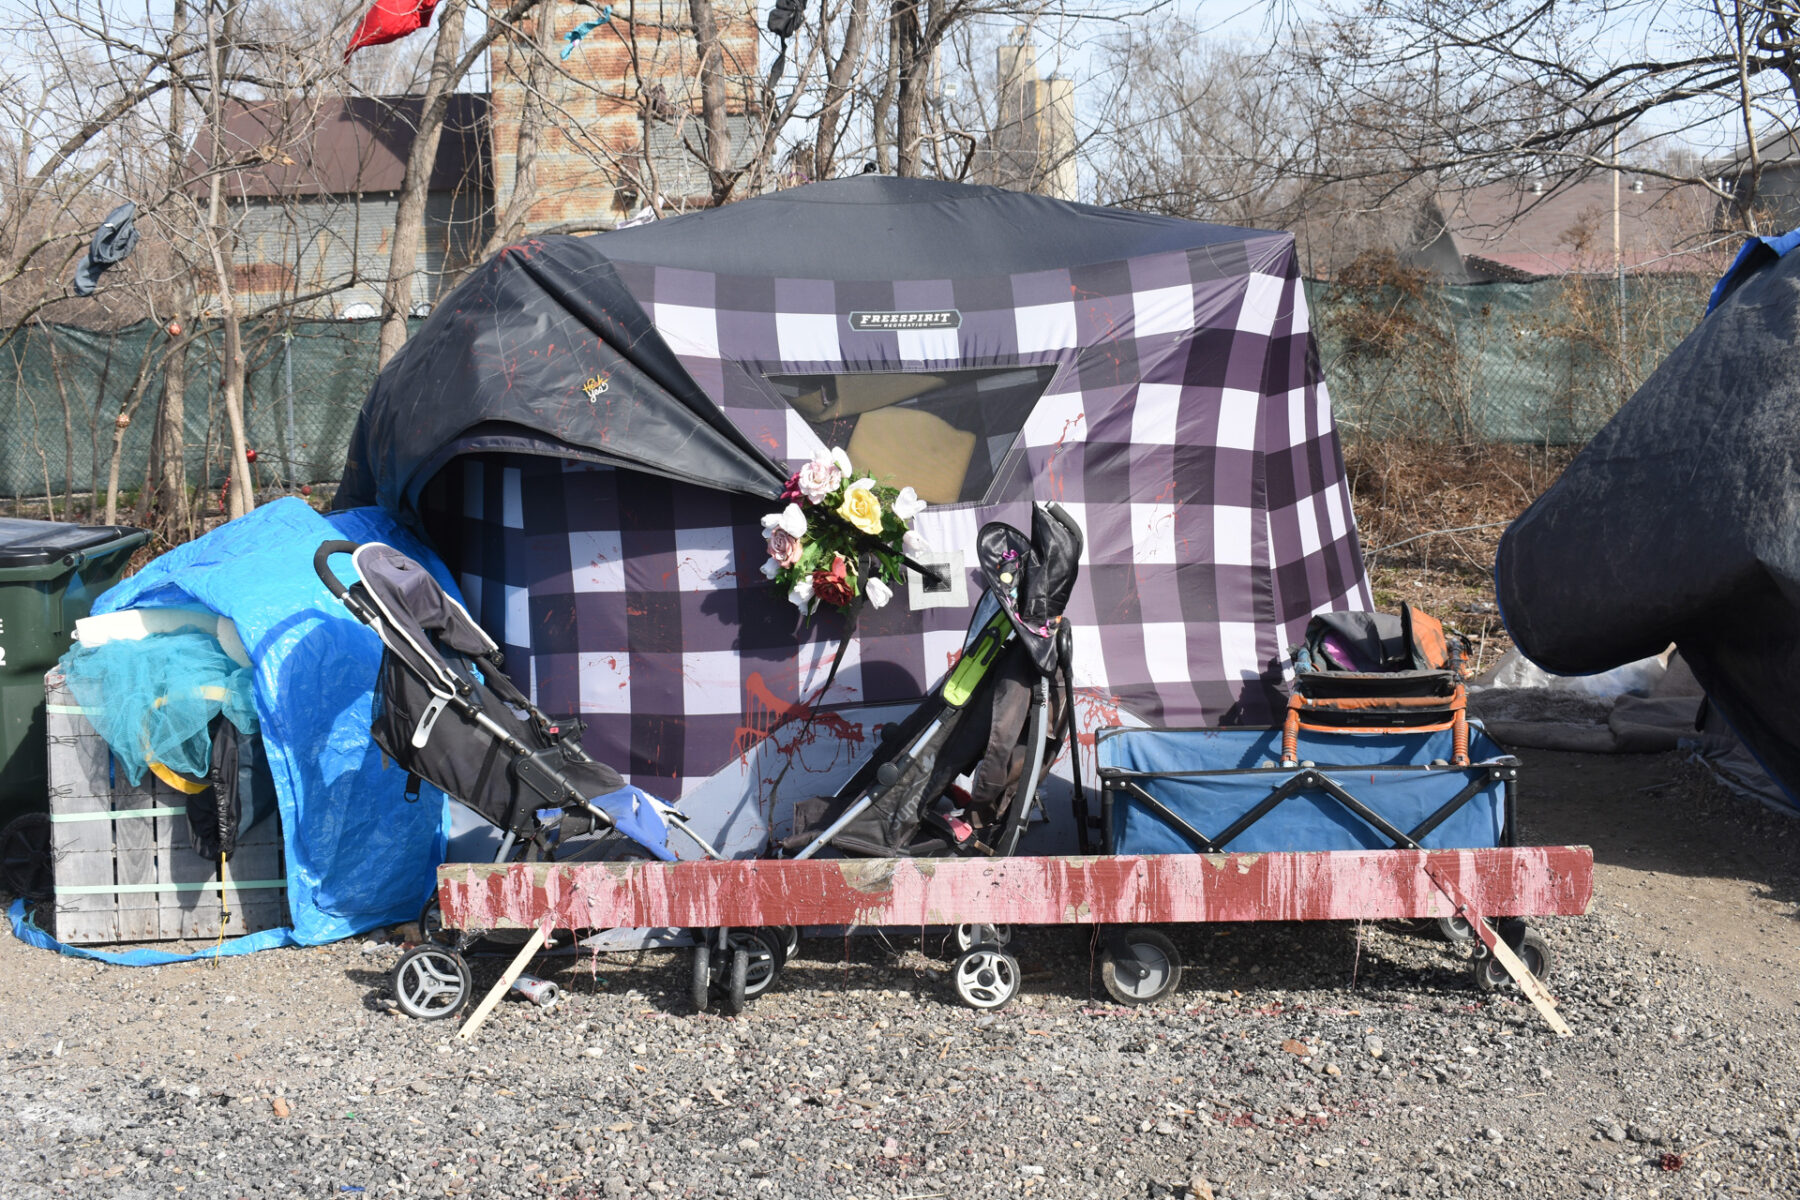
(998, 717)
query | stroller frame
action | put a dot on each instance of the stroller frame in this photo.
(1017, 643)
(959, 688)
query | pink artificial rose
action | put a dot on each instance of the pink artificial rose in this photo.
(784, 547)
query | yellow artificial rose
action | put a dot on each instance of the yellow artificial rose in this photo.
(862, 507)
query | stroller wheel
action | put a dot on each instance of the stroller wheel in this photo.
(700, 978)
(970, 936)
(1153, 972)
(1532, 950)
(736, 980)
(767, 953)
(431, 982)
(431, 923)
(986, 977)
(790, 941)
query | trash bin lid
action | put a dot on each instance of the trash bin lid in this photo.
(36, 543)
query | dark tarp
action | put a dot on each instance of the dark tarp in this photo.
(542, 350)
(1680, 522)
(510, 359)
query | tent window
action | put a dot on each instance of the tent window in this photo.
(945, 433)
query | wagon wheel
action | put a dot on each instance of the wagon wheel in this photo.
(1532, 950)
(1153, 972)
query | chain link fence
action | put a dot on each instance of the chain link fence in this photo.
(1543, 363)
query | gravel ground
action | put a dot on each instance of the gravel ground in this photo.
(1315, 1061)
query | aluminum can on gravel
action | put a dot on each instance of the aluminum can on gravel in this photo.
(541, 992)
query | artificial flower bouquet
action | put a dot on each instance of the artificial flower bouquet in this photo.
(841, 535)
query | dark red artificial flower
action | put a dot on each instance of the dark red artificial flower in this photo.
(833, 586)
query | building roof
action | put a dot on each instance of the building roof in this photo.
(343, 145)
(1508, 231)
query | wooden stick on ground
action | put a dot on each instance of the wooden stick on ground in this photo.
(1496, 945)
(1528, 983)
(513, 970)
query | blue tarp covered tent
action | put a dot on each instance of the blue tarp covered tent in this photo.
(358, 854)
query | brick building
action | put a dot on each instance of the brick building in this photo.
(623, 115)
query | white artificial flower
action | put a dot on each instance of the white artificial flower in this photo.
(770, 568)
(913, 542)
(789, 518)
(841, 461)
(907, 504)
(802, 595)
(878, 592)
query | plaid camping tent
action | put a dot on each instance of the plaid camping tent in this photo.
(589, 429)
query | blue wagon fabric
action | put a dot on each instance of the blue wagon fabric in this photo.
(1185, 425)
(1211, 777)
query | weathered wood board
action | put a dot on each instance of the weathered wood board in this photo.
(1328, 886)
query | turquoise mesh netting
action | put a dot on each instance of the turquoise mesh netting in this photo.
(153, 699)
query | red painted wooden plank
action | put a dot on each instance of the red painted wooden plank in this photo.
(1337, 885)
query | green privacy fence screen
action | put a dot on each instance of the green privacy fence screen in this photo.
(62, 390)
(1541, 362)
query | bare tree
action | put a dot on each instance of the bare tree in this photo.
(1479, 89)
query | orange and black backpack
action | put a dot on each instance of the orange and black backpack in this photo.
(1364, 672)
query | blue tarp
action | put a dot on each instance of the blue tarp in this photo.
(1755, 254)
(358, 854)
(1211, 777)
(27, 930)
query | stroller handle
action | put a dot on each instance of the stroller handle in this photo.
(322, 564)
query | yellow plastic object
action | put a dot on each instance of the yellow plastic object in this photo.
(973, 666)
(176, 780)
(907, 447)
(170, 776)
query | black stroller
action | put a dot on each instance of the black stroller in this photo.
(446, 713)
(1000, 717)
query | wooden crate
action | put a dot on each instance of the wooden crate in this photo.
(125, 867)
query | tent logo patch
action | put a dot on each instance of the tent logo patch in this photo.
(875, 322)
(595, 386)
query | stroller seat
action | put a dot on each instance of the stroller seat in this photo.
(447, 714)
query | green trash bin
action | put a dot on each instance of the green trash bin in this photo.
(50, 575)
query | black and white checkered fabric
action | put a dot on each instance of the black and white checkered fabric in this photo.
(1186, 427)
